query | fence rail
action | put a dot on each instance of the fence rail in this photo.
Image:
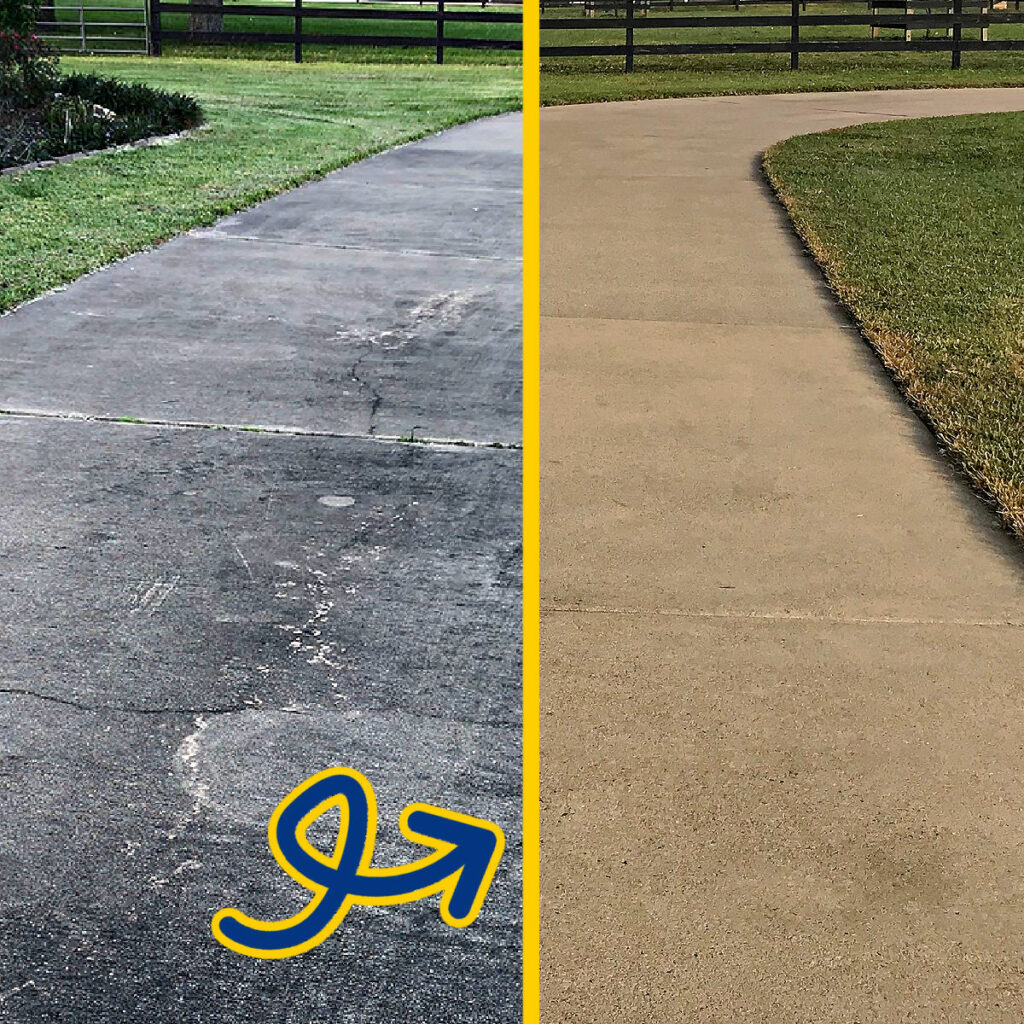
(80, 27)
(301, 35)
(142, 26)
(955, 17)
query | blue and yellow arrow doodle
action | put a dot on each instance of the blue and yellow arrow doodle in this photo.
(465, 857)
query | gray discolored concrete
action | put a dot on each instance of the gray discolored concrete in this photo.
(384, 299)
(193, 621)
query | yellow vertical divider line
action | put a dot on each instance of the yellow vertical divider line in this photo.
(531, 512)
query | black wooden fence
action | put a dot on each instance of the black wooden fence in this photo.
(950, 19)
(300, 35)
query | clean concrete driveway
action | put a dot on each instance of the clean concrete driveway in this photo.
(782, 702)
(192, 621)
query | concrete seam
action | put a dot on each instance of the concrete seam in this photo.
(219, 235)
(435, 442)
(777, 616)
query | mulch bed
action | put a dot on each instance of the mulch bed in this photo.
(85, 113)
(20, 132)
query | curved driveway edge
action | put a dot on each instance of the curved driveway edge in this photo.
(781, 641)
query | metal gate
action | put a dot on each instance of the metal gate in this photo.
(95, 26)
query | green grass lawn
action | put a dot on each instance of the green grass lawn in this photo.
(919, 226)
(268, 126)
(103, 29)
(591, 79)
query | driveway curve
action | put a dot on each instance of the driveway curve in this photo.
(781, 640)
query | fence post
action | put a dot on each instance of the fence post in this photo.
(440, 32)
(155, 43)
(958, 10)
(298, 31)
(629, 34)
(794, 38)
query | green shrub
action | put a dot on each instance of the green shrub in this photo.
(27, 72)
(154, 110)
(87, 112)
(67, 119)
(44, 115)
(18, 16)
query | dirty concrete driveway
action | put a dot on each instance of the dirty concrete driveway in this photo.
(194, 620)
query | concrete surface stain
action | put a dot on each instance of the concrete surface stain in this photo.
(4, 996)
(186, 763)
(155, 595)
(245, 562)
(159, 881)
(307, 637)
(441, 310)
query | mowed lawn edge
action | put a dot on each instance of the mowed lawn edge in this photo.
(561, 88)
(269, 127)
(917, 227)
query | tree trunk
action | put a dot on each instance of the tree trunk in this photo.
(207, 21)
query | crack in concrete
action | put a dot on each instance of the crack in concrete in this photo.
(438, 442)
(440, 311)
(230, 709)
(883, 115)
(258, 707)
(376, 398)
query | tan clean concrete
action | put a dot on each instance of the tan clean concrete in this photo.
(782, 643)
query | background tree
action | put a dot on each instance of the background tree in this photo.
(204, 21)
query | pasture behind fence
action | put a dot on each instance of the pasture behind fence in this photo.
(920, 27)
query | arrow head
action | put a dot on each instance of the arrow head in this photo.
(474, 849)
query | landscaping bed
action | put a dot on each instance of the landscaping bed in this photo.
(45, 114)
(918, 228)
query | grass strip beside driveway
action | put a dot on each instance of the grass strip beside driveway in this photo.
(269, 126)
(919, 227)
(565, 81)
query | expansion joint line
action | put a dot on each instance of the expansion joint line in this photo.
(411, 439)
(832, 618)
